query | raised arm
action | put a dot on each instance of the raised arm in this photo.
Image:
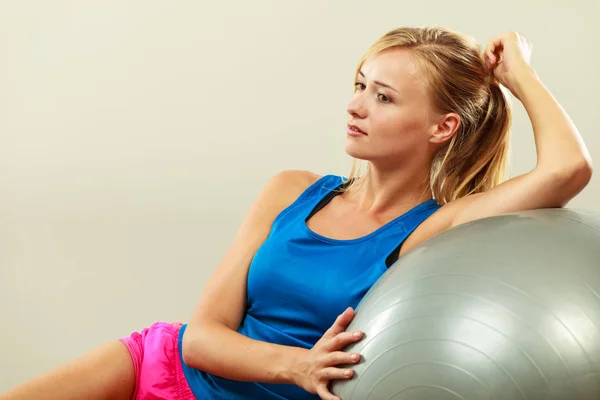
(563, 165)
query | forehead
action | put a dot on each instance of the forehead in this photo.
(395, 67)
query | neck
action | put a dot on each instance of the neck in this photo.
(381, 192)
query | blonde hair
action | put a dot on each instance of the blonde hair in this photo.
(475, 159)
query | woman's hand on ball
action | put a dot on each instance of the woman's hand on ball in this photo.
(319, 365)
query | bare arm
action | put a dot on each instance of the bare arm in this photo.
(563, 166)
(562, 170)
(221, 351)
(211, 341)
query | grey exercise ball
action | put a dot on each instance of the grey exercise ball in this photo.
(502, 308)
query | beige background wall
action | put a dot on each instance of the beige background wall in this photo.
(135, 134)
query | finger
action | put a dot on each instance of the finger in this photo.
(341, 322)
(494, 45)
(330, 373)
(526, 43)
(492, 49)
(501, 41)
(325, 394)
(342, 357)
(341, 340)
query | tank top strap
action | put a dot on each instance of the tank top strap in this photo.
(310, 198)
(400, 229)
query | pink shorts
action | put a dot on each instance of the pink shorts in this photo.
(158, 371)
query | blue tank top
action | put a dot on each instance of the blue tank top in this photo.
(300, 281)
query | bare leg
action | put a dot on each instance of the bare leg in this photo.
(104, 373)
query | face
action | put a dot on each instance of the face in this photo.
(392, 107)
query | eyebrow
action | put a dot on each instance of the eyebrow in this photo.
(379, 83)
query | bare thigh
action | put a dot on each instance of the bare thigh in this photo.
(103, 373)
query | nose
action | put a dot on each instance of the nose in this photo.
(356, 108)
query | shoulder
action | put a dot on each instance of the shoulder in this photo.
(286, 186)
(440, 221)
(295, 179)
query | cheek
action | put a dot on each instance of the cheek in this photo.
(404, 125)
(402, 134)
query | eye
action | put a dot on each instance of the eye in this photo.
(359, 86)
(383, 98)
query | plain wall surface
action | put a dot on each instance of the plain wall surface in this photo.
(135, 134)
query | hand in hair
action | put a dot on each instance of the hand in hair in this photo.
(508, 56)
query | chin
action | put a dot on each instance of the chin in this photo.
(353, 152)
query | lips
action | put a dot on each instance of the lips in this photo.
(356, 129)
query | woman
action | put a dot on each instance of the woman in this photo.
(429, 117)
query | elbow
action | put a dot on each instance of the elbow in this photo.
(587, 169)
(580, 174)
(197, 344)
(188, 347)
(579, 168)
(570, 180)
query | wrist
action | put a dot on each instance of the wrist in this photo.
(292, 367)
(522, 77)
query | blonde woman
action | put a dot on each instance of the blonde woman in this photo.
(429, 117)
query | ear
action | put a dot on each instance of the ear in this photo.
(446, 127)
